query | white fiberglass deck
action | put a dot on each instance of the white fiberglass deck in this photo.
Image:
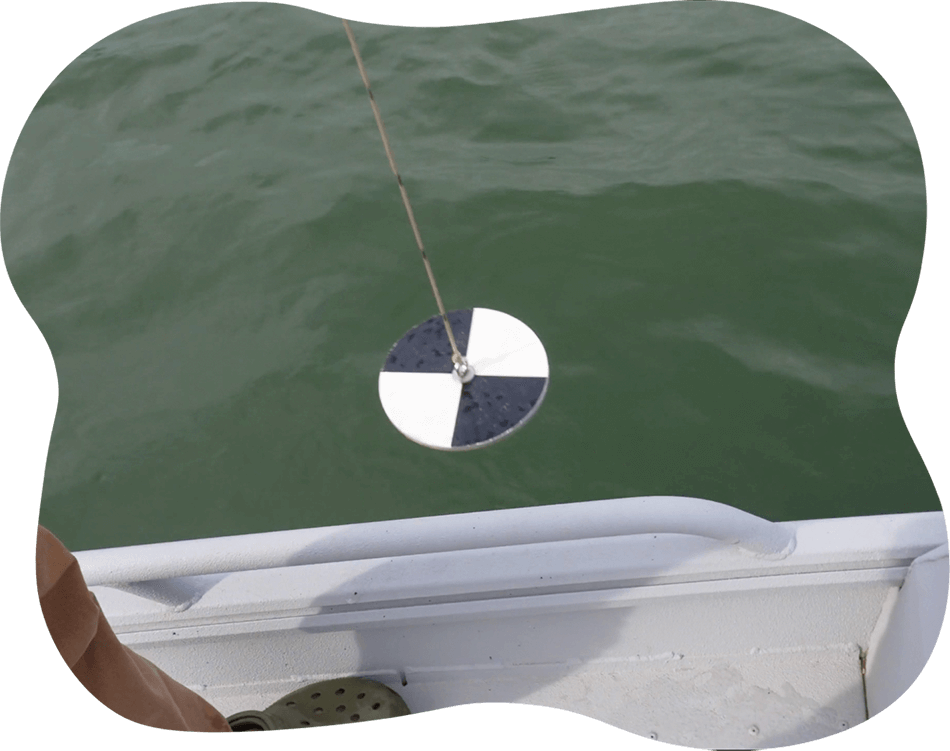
(755, 641)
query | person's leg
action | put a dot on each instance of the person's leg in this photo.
(125, 682)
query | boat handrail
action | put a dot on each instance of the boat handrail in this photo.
(438, 534)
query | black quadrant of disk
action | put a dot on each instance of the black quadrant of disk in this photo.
(428, 403)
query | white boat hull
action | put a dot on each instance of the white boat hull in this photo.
(758, 642)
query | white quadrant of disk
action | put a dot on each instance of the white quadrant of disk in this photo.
(423, 406)
(501, 345)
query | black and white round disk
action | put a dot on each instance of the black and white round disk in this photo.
(427, 401)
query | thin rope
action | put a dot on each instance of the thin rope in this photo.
(456, 355)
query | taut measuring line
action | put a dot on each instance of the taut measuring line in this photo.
(461, 365)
